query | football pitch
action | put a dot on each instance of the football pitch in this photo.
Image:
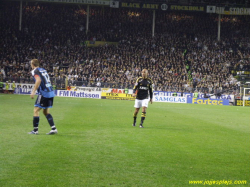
(97, 146)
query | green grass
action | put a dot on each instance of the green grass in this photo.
(97, 145)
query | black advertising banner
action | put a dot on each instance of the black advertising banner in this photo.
(162, 6)
(188, 8)
(228, 10)
(239, 102)
(151, 6)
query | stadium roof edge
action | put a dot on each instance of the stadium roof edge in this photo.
(90, 2)
(45, 0)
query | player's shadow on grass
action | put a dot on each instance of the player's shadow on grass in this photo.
(64, 134)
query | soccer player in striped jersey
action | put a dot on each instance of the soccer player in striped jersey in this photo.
(45, 96)
(144, 89)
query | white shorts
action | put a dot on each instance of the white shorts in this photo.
(141, 103)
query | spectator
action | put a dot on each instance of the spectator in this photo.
(184, 54)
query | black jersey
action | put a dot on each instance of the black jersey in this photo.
(143, 86)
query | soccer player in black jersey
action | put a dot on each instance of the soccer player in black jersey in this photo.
(143, 87)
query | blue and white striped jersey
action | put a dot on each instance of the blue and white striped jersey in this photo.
(45, 89)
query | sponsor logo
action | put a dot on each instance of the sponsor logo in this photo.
(62, 93)
(143, 88)
(187, 8)
(208, 101)
(88, 89)
(117, 91)
(106, 89)
(117, 96)
(164, 6)
(140, 5)
(170, 99)
(239, 102)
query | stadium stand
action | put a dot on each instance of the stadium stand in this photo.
(184, 54)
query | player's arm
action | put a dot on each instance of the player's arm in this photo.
(135, 88)
(37, 84)
(151, 92)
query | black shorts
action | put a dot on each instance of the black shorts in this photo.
(43, 102)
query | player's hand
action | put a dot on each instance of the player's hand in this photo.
(133, 95)
(151, 101)
(32, 95)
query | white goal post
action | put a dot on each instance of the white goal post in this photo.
(246, 95)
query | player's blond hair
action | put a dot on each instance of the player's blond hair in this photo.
(35, 62)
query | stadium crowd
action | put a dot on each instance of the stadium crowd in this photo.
(183, 55)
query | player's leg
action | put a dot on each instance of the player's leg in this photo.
(36, 119)
(137, 108)
(135, 115)
(48, 103)
(50, 121)
(143, 115)
(144, 108)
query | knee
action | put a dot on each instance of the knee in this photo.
(45, 113)
(36, 111)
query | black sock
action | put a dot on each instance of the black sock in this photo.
(35, 122)
(51, 121)
(143, 116)
(135, 116)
